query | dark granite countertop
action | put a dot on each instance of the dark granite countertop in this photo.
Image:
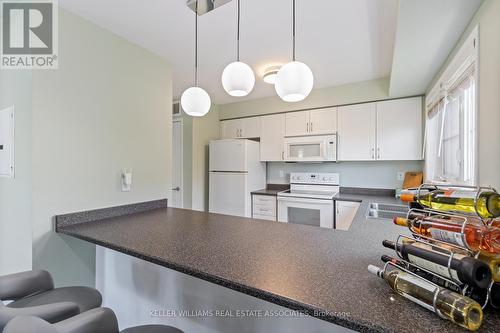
(272, 189)
(267, 192)
(321, 271)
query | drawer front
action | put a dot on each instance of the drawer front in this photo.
(264, 200)
(264, 210)
(263, 217)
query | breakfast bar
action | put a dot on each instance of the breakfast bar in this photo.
(326, 270)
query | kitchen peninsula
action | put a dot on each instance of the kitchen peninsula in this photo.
(326, 270)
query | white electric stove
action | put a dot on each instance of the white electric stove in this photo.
(309, 200)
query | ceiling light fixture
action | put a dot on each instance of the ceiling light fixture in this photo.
(238, 78)
(270, 74)
(294, 80)
(195, 101)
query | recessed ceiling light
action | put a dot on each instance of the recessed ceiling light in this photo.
(270, 74)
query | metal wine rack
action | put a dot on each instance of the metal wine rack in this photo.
(450, 249)
(461, 287)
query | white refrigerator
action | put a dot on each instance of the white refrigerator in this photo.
(235, 171)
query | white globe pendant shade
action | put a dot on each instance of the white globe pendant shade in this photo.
(195, 102)
(294, 81)
(238, 79)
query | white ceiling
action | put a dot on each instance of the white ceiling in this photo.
(427, 32)
(343, 41)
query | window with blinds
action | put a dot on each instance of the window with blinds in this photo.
(451, 131)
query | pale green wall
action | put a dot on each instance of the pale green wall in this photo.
(205, 128)
(15, 193)
(187, 160)
(107, 107)
(344, 94)
(488, 18)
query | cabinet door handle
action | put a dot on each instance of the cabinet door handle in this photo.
(373, 153)
(311, 127)
(283, 155)
(307, 127)
(378, 152)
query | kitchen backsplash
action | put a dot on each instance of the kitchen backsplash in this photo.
(374, 174)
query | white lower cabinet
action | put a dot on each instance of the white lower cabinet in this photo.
(344, 214)
(264, 207)
(272, 138)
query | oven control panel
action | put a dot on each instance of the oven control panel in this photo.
(314, 178)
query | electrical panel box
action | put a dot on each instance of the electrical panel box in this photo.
(7, 142)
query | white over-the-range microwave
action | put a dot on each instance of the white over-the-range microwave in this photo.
(321, 148)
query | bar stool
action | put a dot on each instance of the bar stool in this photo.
(100, 320)
(33, 294)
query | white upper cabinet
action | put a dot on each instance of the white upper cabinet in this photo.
(297, 123)
(272, 137)
(356, 132)
(314, 122)
(230, 129)
(250, 128)
(384, 131)
(323, 121)
(244, 128)
(399, 129)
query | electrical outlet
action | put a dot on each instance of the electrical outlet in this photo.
(400, 175)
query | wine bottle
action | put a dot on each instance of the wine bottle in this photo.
(495, 295)
(488, 203)
(494, 262)
(434, 227)
(478, 237)
(452, 306)
(478, 295)
(463, 269)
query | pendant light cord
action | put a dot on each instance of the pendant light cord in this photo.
(196, 49)
(293, 29)
(238, 35)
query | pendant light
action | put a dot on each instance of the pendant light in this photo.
(238, 78)
(195, 101)
(294, 80)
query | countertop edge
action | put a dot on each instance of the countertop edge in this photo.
(357, 325)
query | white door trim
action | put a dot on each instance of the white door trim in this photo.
(181, 192)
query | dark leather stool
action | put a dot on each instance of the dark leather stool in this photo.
(33, 294)
(100, 320)
(152, 329)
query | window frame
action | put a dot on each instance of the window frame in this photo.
(467, 56)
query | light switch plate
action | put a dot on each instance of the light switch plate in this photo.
(401, 175)
(7, 142)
